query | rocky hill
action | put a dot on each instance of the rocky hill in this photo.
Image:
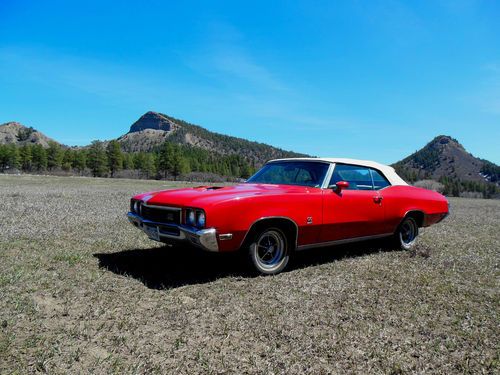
(153, 129)
(445, 157)
(155, 121)
(18, 134)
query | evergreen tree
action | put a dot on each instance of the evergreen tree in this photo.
(13, 156)
(96, 159)
(128, 161)
(68, 159)
(115, 157)
(178, 164)
(25, 158)
(246, 171)
(148, 165)
(80, 161)
(39, 158)
(3, 158)
(165, 158)
(55, 156)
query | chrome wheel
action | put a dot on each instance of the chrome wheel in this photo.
(407, 233)
(269, 252)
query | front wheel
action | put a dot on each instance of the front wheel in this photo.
(269, 252)
(406, 234)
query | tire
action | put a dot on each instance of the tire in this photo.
(406, 234)
(269, 251)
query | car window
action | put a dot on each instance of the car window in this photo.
(303, 177)
(291, 173)
(359, 178)
(379, 181)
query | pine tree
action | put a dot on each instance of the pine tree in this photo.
(25, 158)
(96, 159)
(80, 161)
(39, 158)
(246, 171)
(55, 156)
(68, 159)
(165, 158)
(178, 164)
(128, 161)
(13, 156)
(115, 157)
(148, 166)
(3, 158)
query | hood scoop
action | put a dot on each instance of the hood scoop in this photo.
(205, 188)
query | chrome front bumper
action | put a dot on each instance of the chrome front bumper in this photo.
(205, 239)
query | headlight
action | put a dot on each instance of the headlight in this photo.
(200, 219)
(137, 207)
(190, 217)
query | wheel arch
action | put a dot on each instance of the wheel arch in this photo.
(417, 215)
(284, 223)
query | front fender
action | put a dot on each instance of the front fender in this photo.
(236, 217)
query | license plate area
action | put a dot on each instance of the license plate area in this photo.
(152, 231)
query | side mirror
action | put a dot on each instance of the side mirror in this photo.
(341, 185)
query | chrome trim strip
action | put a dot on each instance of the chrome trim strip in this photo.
(225, 236)
(344, 241)
(328, 176)
(162, 207)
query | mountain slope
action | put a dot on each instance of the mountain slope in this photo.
(18, 134)
(153, 129)
(445, 157)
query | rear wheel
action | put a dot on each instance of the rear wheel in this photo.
(406, 234)
(269, 251)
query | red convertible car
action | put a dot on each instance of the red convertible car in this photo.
(291, 205)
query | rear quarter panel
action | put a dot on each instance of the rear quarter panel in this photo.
(399, 200)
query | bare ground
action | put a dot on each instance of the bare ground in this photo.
(82, 291)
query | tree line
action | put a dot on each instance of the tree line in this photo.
(453, 186)
(106, 159)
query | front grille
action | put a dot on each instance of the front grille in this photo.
(161, 215)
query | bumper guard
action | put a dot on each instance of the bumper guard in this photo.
(205, 239)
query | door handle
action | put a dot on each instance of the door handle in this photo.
(377, 199)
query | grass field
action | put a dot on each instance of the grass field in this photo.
(82, 291)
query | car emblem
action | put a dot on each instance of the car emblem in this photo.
(309, 220)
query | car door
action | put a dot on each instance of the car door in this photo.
(353, 212)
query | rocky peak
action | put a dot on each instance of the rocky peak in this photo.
(16, 133)
(442, 142)
(153, 120)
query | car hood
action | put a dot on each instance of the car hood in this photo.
(202, 196)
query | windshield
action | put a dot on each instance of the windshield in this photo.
(291, 173)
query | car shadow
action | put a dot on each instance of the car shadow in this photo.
(166, 268)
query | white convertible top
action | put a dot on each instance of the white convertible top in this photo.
(387, 171)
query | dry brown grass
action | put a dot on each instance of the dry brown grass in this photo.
(82, 291)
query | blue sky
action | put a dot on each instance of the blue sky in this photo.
(363, 79)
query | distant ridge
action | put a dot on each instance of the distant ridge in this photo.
(152, 129)
(442, 159)
(445, 158)
(18, 134)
